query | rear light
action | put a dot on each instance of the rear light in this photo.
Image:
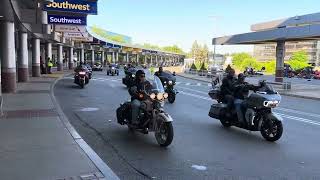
(82, 73)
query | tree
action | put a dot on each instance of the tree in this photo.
(298, 60)
(194, 50)
(238, 58)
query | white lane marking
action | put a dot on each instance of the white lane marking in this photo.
(200, 168)
(194, 95)
(188, 84)
(198, 84)
(209, 84)
(300, 119)
(177, 83)
(202, 92)
(89, 109)
(298, 112)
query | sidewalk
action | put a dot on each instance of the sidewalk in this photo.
(38, 143)
(300, 91)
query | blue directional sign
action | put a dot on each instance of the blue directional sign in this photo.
(57, 19)
(75, 6)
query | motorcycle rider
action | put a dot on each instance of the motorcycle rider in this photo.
(241, 90)
(159, 72)
(227, 88)
(140, 85)
(80, 67)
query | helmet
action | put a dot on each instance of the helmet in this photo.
(139, 72)
(241, 76)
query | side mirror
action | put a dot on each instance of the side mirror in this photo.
(174, 73)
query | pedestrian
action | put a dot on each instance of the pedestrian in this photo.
(50, 65)
(42, 66)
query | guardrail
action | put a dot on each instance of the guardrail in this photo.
(283, 85)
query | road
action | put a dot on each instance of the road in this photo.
(202, 148)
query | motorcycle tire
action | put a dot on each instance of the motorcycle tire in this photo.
(171, 98)
(266, 134)
(168, 128)
(225, 123)
(82, 85)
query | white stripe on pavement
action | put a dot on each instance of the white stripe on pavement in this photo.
(300, 119)
(202, 92)
(298, 112)
(198, 84)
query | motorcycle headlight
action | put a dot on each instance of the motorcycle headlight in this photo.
(165, 95)
(112, 68)
(133, 75)
(160, 96)
(271, 104)
(152, 96)
(170, 82)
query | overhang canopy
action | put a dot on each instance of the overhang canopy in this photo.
(299, 33)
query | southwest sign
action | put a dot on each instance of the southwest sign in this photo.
(69, 28)
(56, 19)
(75, 6)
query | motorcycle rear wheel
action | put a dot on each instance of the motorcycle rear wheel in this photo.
(165, 134)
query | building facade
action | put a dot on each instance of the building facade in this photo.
(267, 52)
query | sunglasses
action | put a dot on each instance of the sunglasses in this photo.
(142, 76)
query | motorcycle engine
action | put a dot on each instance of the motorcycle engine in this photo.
(250, 115)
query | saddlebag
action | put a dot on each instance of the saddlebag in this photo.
(215, 94)
(216, 110)
(122, 113)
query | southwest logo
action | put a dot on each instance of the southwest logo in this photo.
(72, 6)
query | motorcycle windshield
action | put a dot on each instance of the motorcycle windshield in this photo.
(167, 76)
(156, 85)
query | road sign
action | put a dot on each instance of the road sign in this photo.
(75, 34)
(75, 6)
(83, 39)
(56, 19)
(69, 28)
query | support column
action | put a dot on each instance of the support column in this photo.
(36, 58)
(8, 58)
(92, 57)
(137, 58)
(82, 54)
(127, 57)
(151, 63)
(23, 72)
(71, 56)
(60, 58)
(145, 59)
(48, 54)
(102, 58)
(280, 54)
(113, 58)
(157, 60)
(117, 57)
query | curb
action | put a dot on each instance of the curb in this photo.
(282, 93)
(97, 161)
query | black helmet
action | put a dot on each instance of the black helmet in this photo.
(139, 72)
(241, 76)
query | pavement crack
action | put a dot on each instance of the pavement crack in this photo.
(99, 134)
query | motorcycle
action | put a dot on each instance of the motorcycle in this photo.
(128, 80)
(169, 81)
(258, 112)
(152, 116)
(81, 78)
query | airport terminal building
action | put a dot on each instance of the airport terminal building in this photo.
(267, 52)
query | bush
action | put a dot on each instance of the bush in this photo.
(193, 66)
(203, 67)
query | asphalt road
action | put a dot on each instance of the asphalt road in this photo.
(202, 148)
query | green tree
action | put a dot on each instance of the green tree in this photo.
(298, 60)
(238, 58)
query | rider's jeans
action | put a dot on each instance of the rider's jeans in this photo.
(238, 104)
(135, 105)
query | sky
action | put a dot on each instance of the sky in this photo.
(181, 22)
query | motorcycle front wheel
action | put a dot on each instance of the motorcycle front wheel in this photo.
(164, 135)
(272, 131)
(171, 98)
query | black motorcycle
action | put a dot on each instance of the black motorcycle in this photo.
(81, 78)
(129, 79)
(152, 116)
(169, 80)
(258, 112)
